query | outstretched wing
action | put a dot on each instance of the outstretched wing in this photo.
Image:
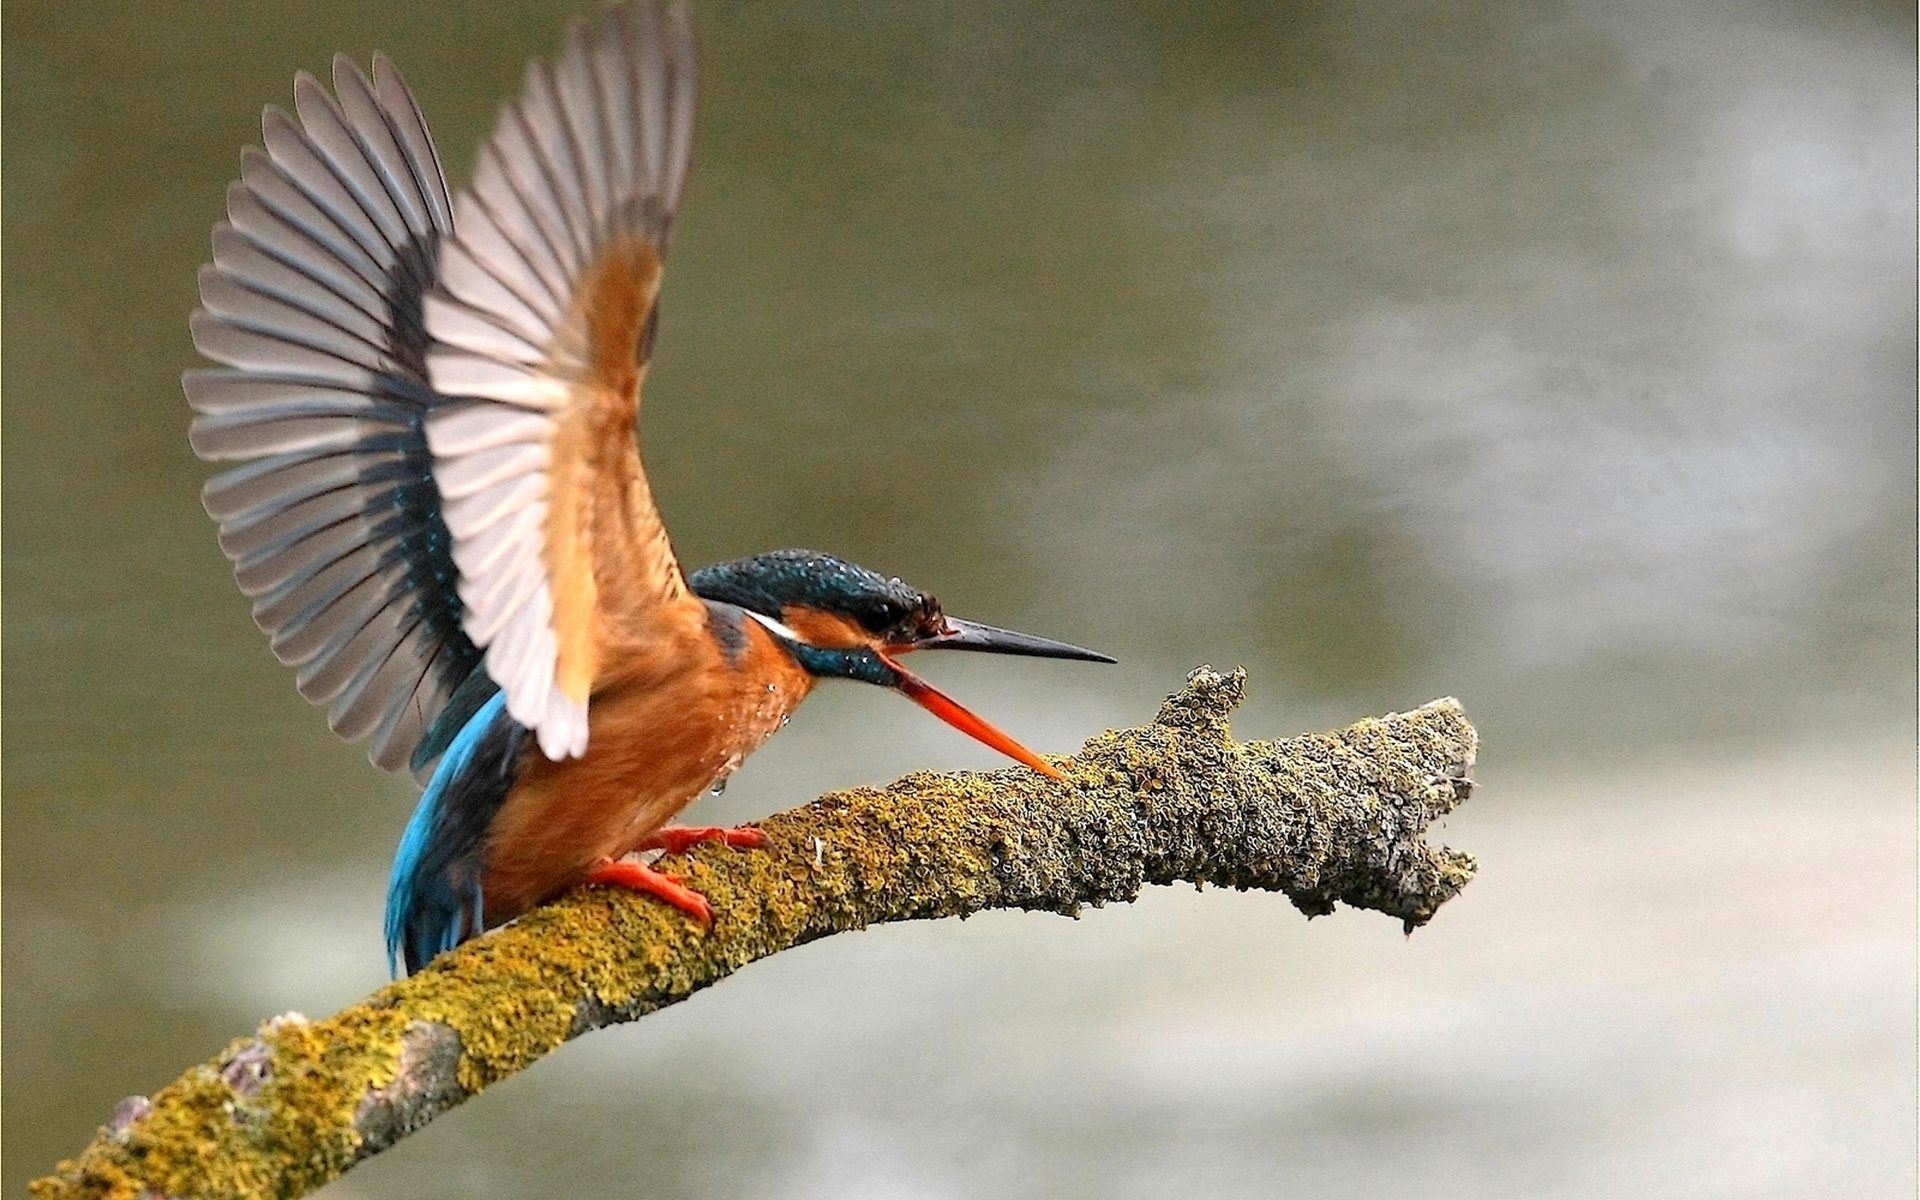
(313, 301)
(540, 316)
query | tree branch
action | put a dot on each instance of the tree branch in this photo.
(1325, 818)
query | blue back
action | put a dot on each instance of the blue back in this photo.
(434, 899)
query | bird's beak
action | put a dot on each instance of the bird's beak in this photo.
(967, 635)
(951, 711)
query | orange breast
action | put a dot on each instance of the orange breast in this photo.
(666, 723)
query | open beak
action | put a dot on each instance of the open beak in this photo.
(966, 635)
(950, 710)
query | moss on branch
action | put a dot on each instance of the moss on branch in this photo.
(1326, 819)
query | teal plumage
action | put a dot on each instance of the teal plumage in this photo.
(435, 899)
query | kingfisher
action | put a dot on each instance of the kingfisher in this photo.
(443, 520)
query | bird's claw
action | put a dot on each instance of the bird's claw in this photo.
(678, 839)
(641, 878)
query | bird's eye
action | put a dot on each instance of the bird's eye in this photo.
(881, 615)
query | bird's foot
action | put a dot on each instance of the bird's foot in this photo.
(677, 839)
(641, 878)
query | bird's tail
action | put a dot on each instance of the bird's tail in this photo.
(434, 899)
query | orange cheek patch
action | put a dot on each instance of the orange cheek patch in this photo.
(826, 630)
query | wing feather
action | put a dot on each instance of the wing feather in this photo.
(472, 472)
(682, 54)
(514, 645)
(245, 261)
(319, 581)
(220, 393)
(485, 287)
(494, 603)
(250, 435)
(650, 119)
(382, 149)
(242, 496)
(333, 680)
(265, 178)
(511, 189)
(309, 640)
(310, 600)
(263, 312)
(484, 334)
(407, 718)
(265, 577)
(238, 345)
(485, 548)
(410, 130)
(542, 302)
(313, 305)
(616, 88)
(252, 546)
(307, 170)
(574, 86)
(363, 705)
(462, 429)
(292, 241)
(539, 109)
(521, 254)
(346, 158)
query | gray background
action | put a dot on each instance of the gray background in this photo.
(1557, 356)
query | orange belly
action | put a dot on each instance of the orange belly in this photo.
(657, 738)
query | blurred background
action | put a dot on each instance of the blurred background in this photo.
(1557, 356)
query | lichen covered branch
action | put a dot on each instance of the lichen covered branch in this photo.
(1326, 819)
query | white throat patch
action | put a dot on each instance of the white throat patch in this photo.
(778, 629)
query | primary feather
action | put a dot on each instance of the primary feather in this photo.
(313, 303)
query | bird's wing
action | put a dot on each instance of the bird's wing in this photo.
(540, 318)
(313, 300)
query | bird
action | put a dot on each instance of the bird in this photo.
(442, 517)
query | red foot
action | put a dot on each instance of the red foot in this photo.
(676, 839)
(671, 888)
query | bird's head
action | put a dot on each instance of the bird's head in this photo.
(843, 621)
